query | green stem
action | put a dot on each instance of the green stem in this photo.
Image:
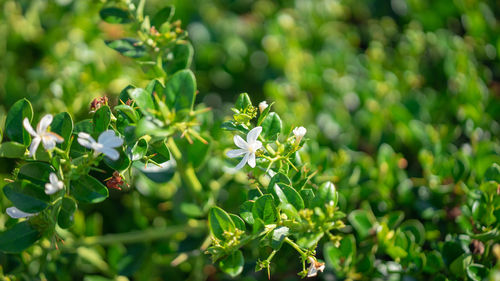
(146, 235)
(185, 170)
(295, 246)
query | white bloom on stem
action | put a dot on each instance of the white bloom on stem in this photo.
(248, 148)
(262, 106)
(315, 267)
(105, 144)
(42, 134)
(54, 186)
(15, 213)
(299, 133)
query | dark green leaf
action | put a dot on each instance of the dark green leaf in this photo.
(220, 222)
(161, 174)
(36, 172)
(143, 100)
(246, 211)
(180, 90)
(65, 219)
(271, 126)
(26, 196)
(102, 118)
(162, 16)
(63, 126)
(265, 209)
(182, 57)
(279, 234)
(362, 221)
(233, 264)
(242, 102)
(87, 189)
(121, 164)
(12, 150)
(416, 228)
(115, 15)
(139, 150)
(128, 47)
(493, 173)
(14, 128)
(19, 237)
(238, 222)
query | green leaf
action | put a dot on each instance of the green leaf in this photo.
(493, 173)
(246, 212)
(102, 118)
(139, 150)
(279, 234)
(264, 114)
(477, 272)
(142, 99)
(220, 222)
(230, 126)
(416, 228)
(459, 266)
(180, 90)
(434, 262)
(63, 126)
(242, 102)
(265, 209)
(182, 58)
(128, 47)
(127, 111)
(115, 15)
(342, 256)
(65, 219)
(394, 219)
(19, 237)
(191, 210)
(84, 126)
(195, 153)
(162, 16)
(120, 164)
(238, 222)
(12, 150)
(451, 251)
(87, 189)
(271, 126)
(233, 264)
(36, 172)
(14, 128)
(326, 195)
(287, 194)
(161, 174)
(362, 221)
(308, 196)
(26, 196)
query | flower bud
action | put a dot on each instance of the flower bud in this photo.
(262, 106)
(299, 133)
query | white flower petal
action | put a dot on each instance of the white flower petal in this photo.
(56, 137)
(15, 213)
(44, 124)
(257, 145)
(48, 142)
(240, 142)
(85, 140)
(251, 160)
(50, 189)
(111, 153)
(109, 139)
(253, 134)
(53, 179)
(34, 146)
(242, 162)
(29, 129)
(235, 153)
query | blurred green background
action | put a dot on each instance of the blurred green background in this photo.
(392, 94)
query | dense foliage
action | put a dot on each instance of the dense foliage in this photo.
(367, 146)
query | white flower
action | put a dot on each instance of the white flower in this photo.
(54, 186)
(105, 144)
(48, 139)
(262, 106)
(315, 267)
(248, 148)
(299, 133)
(15, 213)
